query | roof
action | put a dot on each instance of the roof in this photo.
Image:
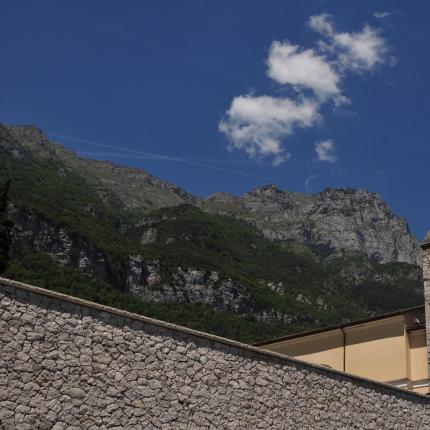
(416, 327)
(339, 326)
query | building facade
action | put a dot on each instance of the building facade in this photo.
(393, 348)
(390, 348)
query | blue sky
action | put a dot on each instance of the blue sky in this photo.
(230, 95)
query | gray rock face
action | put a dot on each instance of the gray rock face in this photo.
(335, 220)
(31, 138)
(186, 286)
(39, 235)
(9, 145)
(141, 277)
(66, 364)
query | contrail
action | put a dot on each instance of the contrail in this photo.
(151, 157)
(308, 181)
(154, 156)
(146, 42)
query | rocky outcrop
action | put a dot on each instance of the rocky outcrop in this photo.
(39, 235)
(31, 138)
(187, 286)
(335, 220)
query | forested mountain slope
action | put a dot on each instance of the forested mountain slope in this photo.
(233, 266)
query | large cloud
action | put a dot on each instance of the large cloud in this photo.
(287, 64)
(257, 125)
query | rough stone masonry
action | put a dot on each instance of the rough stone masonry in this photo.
(425, 252)
(70, 364)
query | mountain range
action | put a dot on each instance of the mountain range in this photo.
(263, 264)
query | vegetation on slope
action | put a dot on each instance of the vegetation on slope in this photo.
(45, 187)
(303, 284)
(39, 269)
(5, 226)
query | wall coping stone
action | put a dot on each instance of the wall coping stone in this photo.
(243, 346)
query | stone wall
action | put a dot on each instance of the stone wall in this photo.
(70, 364)
(426, 278)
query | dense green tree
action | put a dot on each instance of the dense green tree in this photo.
(5, 226)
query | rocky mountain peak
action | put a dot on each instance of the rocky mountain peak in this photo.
(32, 138)
(336, 220)
(28, 134)
(269, 189)
(347, 191)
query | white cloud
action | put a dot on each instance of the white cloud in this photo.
(360, 51)
(382, 15)
(287, 64)
(325, 151)
(322, 24)
(261, 125)
(363, 50)
(258, 125)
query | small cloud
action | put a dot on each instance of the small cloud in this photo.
(382, 15)
(389, 83)
(325, 151)
(359, 51)
(279, 159)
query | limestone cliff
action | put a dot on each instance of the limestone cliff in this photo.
(334, 220)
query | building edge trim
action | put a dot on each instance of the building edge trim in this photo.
(199, 334)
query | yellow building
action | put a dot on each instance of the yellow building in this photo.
(390, 348)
